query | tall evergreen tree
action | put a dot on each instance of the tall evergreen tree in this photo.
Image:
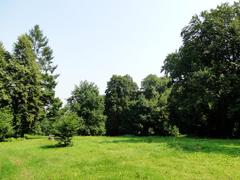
(5, 79)
(44, 56)
(25, 88)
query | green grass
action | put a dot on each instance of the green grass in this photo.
(121, 158)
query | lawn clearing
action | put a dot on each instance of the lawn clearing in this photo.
(121, 158)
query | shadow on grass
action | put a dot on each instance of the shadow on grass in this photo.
(229, 147)
(34, 137)
(53, 146)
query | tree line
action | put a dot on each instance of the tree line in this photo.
(198, 95)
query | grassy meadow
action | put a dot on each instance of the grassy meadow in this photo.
(121, 158)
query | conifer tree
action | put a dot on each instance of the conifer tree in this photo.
(44, 57)
(4, 77)
(25, 88)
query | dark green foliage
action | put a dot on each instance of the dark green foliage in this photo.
(65, 128)
(46, 127)
(25, 87)
(200, 94)
(45, 124)
(205, 74)
(144, 112)
(89, 106)
(27, 83)
(144, 115)
(148, 113)
(121, 90)
(152, 86)
(44, 57)
(5, 78)
(5, 124)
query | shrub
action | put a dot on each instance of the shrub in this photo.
(6, 129)
(65, 128)
(174, 131)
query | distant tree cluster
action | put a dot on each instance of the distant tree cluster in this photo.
(199, 94)
(143, 111)
(125, 109)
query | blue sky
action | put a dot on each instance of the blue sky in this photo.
(94, 39)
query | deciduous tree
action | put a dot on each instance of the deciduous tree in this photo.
(205, 72)
(121, 90)
(86, 102)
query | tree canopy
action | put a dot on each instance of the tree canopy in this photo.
(121, 90)
(205, 74)
(86, 102)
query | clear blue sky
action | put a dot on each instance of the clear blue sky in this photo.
(94, 39)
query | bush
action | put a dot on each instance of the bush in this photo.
(6, 129)
(65, 128)
(174, 131)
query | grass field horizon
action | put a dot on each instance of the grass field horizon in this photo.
(123, 157)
